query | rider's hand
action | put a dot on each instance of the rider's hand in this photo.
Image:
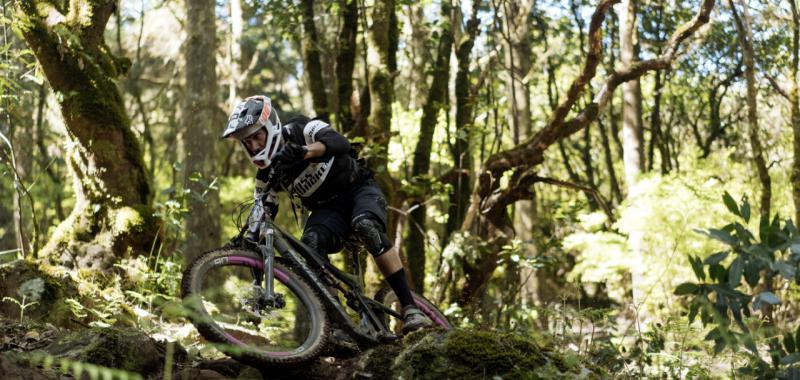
(236, 241)
(290, 152)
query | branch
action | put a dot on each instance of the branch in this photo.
(593, 192)
(782, 91)
(531, 152)
(525, 156)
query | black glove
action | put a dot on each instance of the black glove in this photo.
(290, 153)
(235, 242)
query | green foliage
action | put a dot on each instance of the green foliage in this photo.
(74, 368)
(30, 292)
(751, 277)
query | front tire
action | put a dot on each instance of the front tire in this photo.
(215, 289)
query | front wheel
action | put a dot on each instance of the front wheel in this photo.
(219, 295)
(387, 297)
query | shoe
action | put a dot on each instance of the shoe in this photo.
(414, 319)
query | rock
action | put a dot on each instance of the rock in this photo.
(199, 374)
(10, 368)
(120, 348)
(227, 367)
(21, 277)
(464, 355)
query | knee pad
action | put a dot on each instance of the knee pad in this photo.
(371, 233)
(319, 239)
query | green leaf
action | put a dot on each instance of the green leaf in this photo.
(735, 272)
(789, 343)
(697, 266)
(717, 273)
(751, 273)
(746, 210)
(686, 288)
(769, 297)
(721, 235)
(716, 258)
(693, 309)
(730, 204)
(785, 269)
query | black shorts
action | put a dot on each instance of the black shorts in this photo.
(338, 214)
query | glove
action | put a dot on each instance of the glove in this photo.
(235, 242)
(255, 222)
(290, 152)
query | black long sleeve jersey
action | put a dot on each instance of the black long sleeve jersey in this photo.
(314, 181)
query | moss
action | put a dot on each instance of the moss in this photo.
(50, 306)
(470, 354)
(126, 349)
(126, 219)
(378, 362)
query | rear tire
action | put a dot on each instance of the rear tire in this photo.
(211, 290)
(387, 297)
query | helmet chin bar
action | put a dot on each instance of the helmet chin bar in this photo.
(263, 158)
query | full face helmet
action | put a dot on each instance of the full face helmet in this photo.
(249, 117)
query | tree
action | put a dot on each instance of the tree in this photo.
(745, 32)
(460, 147)
(490, 200)
(112, 211)
(382, 61)
(435, 102)
(345, 63)
(201, 123)
(632, 132)
(311, 58)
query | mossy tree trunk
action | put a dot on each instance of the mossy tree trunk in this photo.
(311, 59)
(112, 188)
(345, 64)
(436, 100)
(794, 98)
(461, 148)
(201, 124)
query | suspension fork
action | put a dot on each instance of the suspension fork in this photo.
(265, 279)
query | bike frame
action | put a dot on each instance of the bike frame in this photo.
(309, 264)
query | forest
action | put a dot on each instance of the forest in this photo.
(584, 189)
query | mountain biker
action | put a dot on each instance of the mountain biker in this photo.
(318, 168)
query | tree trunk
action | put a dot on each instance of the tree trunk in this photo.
(435, 102)
(632, 133)
(201, 123)
(237, 28)
(345, 64)
(382, 60)
(311, 59)
(462, 155)
(21, 141)
(517, 49)
(113, 196)
(419, 54)
(794, 98)
(743, 27)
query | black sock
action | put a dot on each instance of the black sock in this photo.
(399, 284)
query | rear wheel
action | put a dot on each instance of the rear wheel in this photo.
(218, 292)
(387, 297)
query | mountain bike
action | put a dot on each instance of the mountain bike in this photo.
(265, 310)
